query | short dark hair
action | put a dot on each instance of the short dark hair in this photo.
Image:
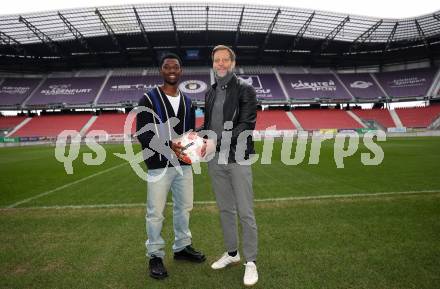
(223, 47)
(169, 56)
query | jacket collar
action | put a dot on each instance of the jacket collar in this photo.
(232, 82)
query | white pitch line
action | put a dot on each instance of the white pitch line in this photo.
(318, 197)
(65, 186)
(321, 197)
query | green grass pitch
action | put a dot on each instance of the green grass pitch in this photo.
(87, 230)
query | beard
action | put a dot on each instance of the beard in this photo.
(225, 73)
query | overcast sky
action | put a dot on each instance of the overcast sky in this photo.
(375, 8)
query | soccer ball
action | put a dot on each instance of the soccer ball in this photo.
(192, 147)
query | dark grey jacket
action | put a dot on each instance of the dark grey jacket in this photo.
(240, 107)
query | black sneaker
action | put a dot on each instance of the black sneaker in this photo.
(157, 269)
(188, 253)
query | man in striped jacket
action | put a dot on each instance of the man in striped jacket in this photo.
(164, 104)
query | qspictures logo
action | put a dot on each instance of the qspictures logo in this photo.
(346, 144)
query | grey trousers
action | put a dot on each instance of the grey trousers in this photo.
(232, 185)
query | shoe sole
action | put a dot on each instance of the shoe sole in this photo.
(250, 285)
(230, 264)
(189, 260)
(158, 277)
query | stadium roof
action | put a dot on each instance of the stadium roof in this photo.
(129, 34)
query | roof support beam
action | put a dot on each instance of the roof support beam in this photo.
(143, 30)
(110, 32)
(365, 35)
(75, 32)
(237, 34)
(422, 34)
(45, 39)
(145, 35)
(333, 34)
(390, 37)
(207, 26)
(269, 32)
(299, 35)
(176, 35)
(14, 44)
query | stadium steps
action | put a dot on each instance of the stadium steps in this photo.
(294, 120)
(14, 122)
(356, 118)
(112, 123)
(86, 127)
(344, 86)
(43, 80)
(378, 85)
(281, 83)
(434, 88)
(380, 116)
(276, 118)
(9, 122)
(51, 125)
(375, 125)
(435, 124)
(396, 118)
(98, 95)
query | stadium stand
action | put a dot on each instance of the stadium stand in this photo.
(102, 88)
(266, 85)
(310, 119)
(315, 119)
(418, 117)
(314, 87)
(92, 73)
(318, 70)
(9, 122)
(67, 90)
(112, 123)
(196, 70)
(199, 121)
(120, 90)
(256, 69)
(123, 87)
(406, 83)
(126, 89)
(276, 118)
(291, 69)
(381, 116)
(52, 125)
(129, 71)
(13, 91)
(362, 86)
(195, 85)
(63, 74)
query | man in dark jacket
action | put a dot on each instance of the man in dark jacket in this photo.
(165, 171)
(231, 112)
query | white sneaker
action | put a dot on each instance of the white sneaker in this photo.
(250, 274)
(225, 260)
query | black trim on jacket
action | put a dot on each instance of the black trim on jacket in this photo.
(240, 107)
(156, 100)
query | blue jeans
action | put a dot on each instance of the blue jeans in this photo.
(182, 189)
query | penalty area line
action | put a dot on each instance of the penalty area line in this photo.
(64, 186)
(263, 200)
